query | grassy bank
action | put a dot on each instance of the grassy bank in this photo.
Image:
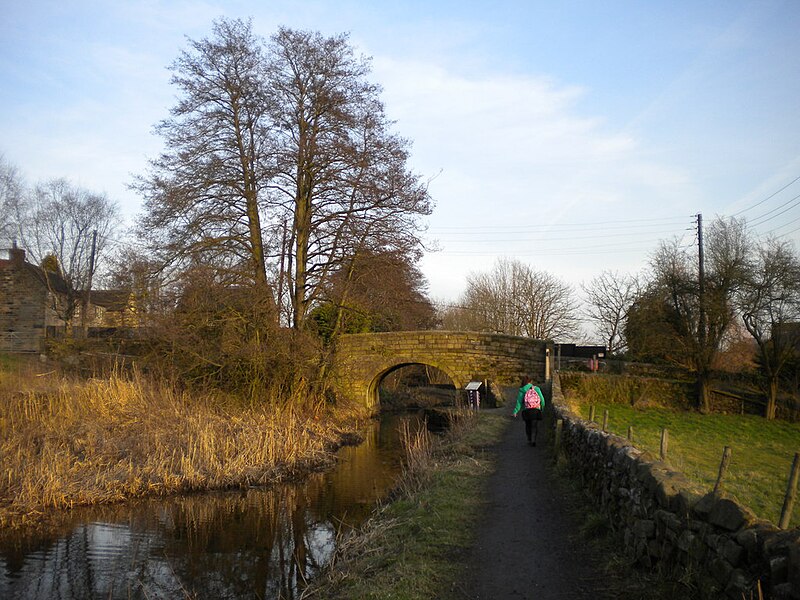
(762, 451)
(66, 441)
(413, 547)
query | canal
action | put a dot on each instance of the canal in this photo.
(254, 543)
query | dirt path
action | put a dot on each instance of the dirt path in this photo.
(528, 545)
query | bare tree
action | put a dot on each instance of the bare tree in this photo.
(279, 161)
(512, 298)
(204, 196)
(12, 195)
(697, 311)
(769, 302)
(342, 180)
(377, 292)
(610, 296)
(66, 227)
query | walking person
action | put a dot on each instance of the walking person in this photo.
(530, 402)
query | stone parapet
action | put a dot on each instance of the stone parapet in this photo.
(361, 361)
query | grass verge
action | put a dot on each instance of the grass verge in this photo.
(762, 451)
(413, 547)
(65, 442)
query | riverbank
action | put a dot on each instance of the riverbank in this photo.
(66, 442)
(460, 527)
(415, 545)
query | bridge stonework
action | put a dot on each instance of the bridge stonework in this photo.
(363, 360)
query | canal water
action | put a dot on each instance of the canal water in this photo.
(256, 543)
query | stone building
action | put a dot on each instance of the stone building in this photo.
(30, 299)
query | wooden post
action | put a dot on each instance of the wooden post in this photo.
(557, 443)
(664, 443)
(723, 467)
(630, 433)
(591, 413)
(791, 493)
(605, 420)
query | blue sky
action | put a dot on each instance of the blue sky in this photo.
(570, 135)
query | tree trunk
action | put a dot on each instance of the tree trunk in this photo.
(772, 399)
(703, 392)
(302, 231)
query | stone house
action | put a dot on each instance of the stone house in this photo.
(30, 298)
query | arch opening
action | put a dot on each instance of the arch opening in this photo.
(413, 385)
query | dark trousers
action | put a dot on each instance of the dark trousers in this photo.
(531, 416)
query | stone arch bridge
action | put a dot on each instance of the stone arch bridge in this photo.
(363, 360)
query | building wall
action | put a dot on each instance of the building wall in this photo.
(23, 301)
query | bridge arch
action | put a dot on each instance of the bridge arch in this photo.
(373, 396)
(362, 360)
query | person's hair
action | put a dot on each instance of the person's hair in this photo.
(526, 379)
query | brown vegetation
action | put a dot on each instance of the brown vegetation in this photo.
(67, 442)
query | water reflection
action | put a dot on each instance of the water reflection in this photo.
(259, 543)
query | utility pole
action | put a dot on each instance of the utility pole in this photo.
(87, 293)
(702, 280)
(702, 328)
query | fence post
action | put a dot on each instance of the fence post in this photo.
(723, 467)
(791, 492)
(605, 419)
(664, 443)
(591, 413)
(557, 443)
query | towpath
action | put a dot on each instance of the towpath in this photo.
(528, 545)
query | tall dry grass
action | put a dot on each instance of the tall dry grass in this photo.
(66, 441)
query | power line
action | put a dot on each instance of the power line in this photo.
(788, 232)
(616, 224)
(533, 236)
(761, 219)
(782, 226)
(546, 252)
(760, 202)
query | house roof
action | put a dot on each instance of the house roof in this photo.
(49, 279)
(110, 299)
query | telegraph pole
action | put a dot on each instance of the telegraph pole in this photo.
(702, 329)
(85, 311)
(702, 280)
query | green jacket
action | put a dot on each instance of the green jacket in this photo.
(521, 397)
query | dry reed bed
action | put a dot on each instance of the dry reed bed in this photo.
(67, 442)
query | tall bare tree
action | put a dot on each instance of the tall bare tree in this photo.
(287, 144)
(699, 310)
(769, 301)
(12, 194)
(204, 196)
(610, 296)
(342, 178)
(515, 299)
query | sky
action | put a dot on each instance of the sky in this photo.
(572, 136)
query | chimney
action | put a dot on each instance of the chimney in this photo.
(16, 255)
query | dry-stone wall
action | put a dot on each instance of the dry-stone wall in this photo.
(362, 360)
(667, 522)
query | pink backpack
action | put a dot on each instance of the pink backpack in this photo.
(532, 398)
